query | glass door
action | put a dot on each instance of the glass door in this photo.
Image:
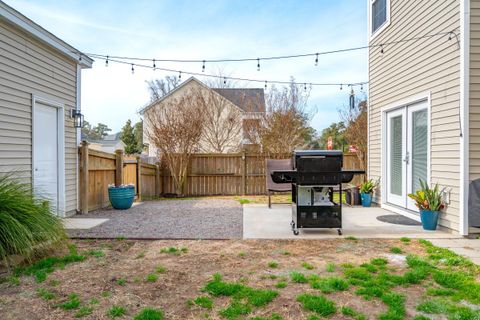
(396, 150)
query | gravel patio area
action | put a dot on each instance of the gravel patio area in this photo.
(168, 219)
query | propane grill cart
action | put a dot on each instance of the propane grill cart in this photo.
(315, 176)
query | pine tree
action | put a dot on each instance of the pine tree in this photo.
(128, 137)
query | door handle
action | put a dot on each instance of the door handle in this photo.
(407, 158)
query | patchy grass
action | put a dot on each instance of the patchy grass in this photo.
(307, 266)
(73, 302)
(243, 201)
(330, 267)
(121, 282)
(281, 284)
(204, 302)
(350, 312)
(298, 277)
(405, 239)
(83, 311)
(174, 250)
(116, 311)
(352, 238)
(149, 314)
(152, 277)
(318, 304)
(329, 285)
(396, 250)
(45, 294)
(160, 269)
(96, 253)
(273, 264)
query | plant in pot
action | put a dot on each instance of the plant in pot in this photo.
(122, 196)
(430, 202)
(366, 191)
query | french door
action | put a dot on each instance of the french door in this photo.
(406, 152)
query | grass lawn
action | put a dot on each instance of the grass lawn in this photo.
(284, 279)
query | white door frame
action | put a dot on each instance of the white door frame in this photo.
(422, 97)
(60, 147)
(392, 198)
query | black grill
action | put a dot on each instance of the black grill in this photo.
(315, 175)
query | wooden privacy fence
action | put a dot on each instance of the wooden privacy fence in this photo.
(208, 174)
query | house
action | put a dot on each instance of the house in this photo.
(109, 143)
(40, 81)
(249, 102)
(424, 103)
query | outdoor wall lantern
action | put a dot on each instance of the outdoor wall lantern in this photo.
(77, 117)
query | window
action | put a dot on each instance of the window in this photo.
(380, 14)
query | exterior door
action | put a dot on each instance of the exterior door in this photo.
(407, 153)
(45, 154)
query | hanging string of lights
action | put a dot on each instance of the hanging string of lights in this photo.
(202, 74)
(132, 61)
(293, 56)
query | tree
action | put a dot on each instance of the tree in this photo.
(356, 132)
(95, 133)
(175, 130)
(222, 130)
(138, 133)
(337, 132)
(128, 137)
(284, 126)
(161, 87)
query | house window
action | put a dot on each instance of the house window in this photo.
(380, 14)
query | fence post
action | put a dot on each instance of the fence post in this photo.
(244, 172)
(83, 178)
(118, 167)
(139, 178)
(157, 180)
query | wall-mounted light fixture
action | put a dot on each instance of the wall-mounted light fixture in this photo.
(77, 117)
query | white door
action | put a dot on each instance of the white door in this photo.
(396, 150)
(407, 153)
(45, 153)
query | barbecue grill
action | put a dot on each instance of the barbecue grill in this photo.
(314, 177)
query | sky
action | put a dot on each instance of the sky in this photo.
(213, 29)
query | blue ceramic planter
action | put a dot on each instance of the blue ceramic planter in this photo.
(366, 199)
(429, 219)
(121, 198)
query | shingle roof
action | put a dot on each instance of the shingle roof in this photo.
(249, 100)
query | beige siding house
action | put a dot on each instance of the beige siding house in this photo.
(39, 86)
(424, 102)
(241, 104)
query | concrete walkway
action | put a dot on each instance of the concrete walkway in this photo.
(259, 222)
(469, 248)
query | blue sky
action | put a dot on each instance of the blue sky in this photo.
(207, 30)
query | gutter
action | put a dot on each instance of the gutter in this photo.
(464, 114)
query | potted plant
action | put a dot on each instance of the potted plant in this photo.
(366, 190)
(122, 196)
(430, 202)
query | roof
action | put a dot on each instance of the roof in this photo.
(14, 17)
(111, 139)
(249, 100)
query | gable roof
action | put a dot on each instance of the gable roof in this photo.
(14, 17)
(248, 100)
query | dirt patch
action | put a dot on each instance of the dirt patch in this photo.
(97, 278)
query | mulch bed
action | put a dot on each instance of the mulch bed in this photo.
(169, 219)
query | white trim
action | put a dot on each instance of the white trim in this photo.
(79, 135)
(425, 96)
(60, 147)
(464, 113)
(372, 35)
(27, 25)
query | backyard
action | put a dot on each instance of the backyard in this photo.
(245, 279)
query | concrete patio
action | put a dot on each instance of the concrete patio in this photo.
(259, 222)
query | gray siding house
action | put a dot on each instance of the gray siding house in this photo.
(39, 86)
(424, 103)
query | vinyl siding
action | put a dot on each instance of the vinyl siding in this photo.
(474, 90)
(28, 67)
(411, 68)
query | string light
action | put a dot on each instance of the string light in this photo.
(224, 80)
(106, 62)
(179, 75)
(203, 66)
(341, 86)
(258, 64)
(154, 66)
(361, 87)
(439, 34)
(305, 86)
(133, 70)
(316, 60)
(381, 48)
(265, 84)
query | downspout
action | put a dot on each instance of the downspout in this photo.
(464, 113)
(78, 130)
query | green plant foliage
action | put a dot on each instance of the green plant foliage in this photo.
(152, 277)
(26, 221)
(379, 261)
(318, 304)
(352, 238)
(116, 311)
(42, 268)
(433, 306)
(427, 198)
(160, 269)
(396, 250)
(347, 311)
(174, 250)
(368, 186)
(396, 306)
(149, 314)
(204, 302)
(405, 239)
(73, 302)
(330, 267)
(329, 285)
(243, 201)
(121, 282)
(273, 316)
(273, 264)
(83, 311)
(45, 294)
(96, 253)
(298, 277)
(236, 309)
(307, 266)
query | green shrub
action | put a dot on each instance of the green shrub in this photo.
(26, 220)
